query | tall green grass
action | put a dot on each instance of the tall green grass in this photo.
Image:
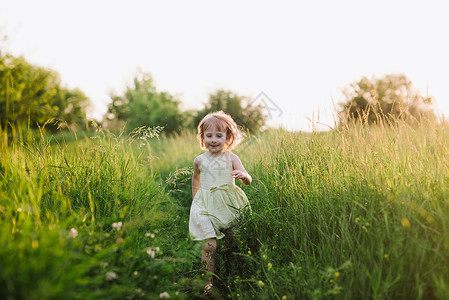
(354, 213)
(85, 220)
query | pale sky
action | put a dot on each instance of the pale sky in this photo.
(301, 54)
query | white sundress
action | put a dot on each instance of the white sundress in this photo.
(219, 201)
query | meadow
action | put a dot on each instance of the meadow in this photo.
(357, 212)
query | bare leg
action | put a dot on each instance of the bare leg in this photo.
(208, 257)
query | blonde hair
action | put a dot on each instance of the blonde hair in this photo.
(221, 121)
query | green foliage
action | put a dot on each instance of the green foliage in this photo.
(385, 99)
(355, 213)
(87, 220)
(246, 115)
(143, 105)
(31, 95)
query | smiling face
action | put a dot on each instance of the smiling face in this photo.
(214, 139)
(217, 132)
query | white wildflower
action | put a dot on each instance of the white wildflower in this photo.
(111, 276)
(117, 225)
(73, 233)
(151, 252)
(164, 295)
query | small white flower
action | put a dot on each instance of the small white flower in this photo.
(117, 225)
(104, 264)
(73, 233)
(164, 295)
(157, 249)
(151, 252)
(151, 235)
(111, 276)
(135, 273)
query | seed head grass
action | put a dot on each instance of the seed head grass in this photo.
(357, 212)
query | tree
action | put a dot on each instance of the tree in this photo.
(143, 105)
(389, 98)
(248, 116)
(32, 94)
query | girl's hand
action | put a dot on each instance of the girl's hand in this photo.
(239, 171)
(238, 174)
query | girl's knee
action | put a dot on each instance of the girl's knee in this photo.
(210, 245)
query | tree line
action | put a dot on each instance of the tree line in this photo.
(33, 95)
(143, 105)
(386, 99)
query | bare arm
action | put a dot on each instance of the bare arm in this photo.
(239, 171)
(196, 176)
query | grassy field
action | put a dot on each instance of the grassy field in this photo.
(353, 213)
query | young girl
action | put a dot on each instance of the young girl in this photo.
(217, 201)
